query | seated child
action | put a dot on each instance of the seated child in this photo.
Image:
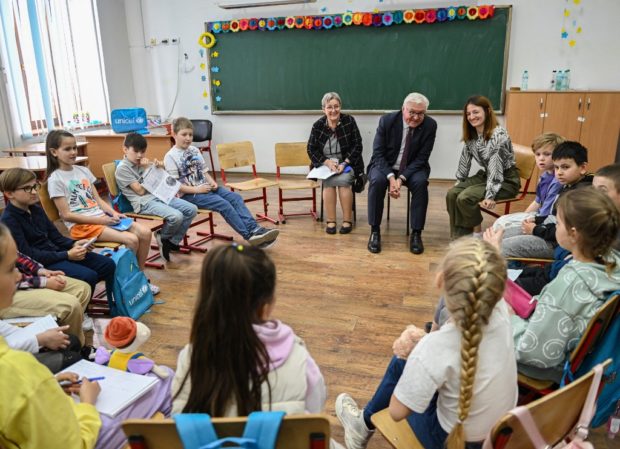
(245, 360)
(570, 160)
(587, 226)
(185, 163)
(546, 191)
(36, 412)
(38, 238)
(177, 215)
(84, 213)
(427, 387)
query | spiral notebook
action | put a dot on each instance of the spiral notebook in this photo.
(119, 389)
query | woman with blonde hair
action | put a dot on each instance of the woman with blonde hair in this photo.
(459, 380)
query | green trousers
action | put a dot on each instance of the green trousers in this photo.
(462, 200)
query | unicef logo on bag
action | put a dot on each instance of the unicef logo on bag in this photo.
(138, 296)
(127, 120)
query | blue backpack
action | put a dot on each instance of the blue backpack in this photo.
(131, 291)
(196, 431)
(127, 120)
(120, 203)
(606, 348)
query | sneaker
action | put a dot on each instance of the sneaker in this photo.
(88, 352)
(356, 434)
(262, 235)
(154, 288)
(266, 245)
(87, 323)
(164, 249)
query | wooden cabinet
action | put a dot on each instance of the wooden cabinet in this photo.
(592, 118)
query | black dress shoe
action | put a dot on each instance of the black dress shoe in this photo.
(374, 243)
(415, 244)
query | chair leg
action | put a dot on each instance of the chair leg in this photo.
(407, 218)
(265, 207)
(314, 205)
(354, 209)
(281, 207)
(388, 211)
(207, 236)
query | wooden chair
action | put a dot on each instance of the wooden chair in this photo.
(294, 154)
(525, 161)
(241, 154)
(555, 415)
(296, 431)
(398, 434)
(203, 130)
(99, 302)
(593, 334)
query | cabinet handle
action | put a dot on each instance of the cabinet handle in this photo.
(579, 106)
(541, 103)
(588, 104)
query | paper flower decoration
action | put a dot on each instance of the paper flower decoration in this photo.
(408, 16)
(217, 83)
(308, 23)
(272, 24)
(234, 26)
(431, 15)
(461, 13)
(442, 15)
(217, 27)
(564, 34)
(377, 20)
(262, 24)
(338, 21)
(281, 23)
(483, 12)
(244, 24)
(318, 23)
(215, 54)
(388, 19)
(347, 18)
(299, 22)
(358, 18)
(225, 27)
(472, 13)
(420, 16)
(215, 69)
(218, 98)
(397, 17)
(451, 13)
(328, 22)
(253, 24)
(367, 19)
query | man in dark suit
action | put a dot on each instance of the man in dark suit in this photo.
(401, 149)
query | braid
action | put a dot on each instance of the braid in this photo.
(474, 278)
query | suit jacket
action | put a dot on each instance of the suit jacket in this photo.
(349, 139)
(386, 145)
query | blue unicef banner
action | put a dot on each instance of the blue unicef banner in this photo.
(127, 120)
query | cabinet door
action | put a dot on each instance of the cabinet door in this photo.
(601, 128)
(524, 119)
(563, 114)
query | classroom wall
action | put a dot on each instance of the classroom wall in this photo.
(166, 83)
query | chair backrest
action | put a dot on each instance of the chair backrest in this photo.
(292, 154)
(555, 415)
(109, 174)
(525, 160)
(235, 154)
(48, 204)
(202, 130)
(295, 432)
(594, 332)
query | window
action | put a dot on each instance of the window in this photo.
(54, 64)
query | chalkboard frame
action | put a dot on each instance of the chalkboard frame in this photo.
(499, 110)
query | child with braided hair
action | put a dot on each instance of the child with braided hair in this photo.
(460, 379)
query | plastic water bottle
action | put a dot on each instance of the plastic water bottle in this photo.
(553, 80)
(566, 83)
(524, 80)
(613, 425)
(559, 80)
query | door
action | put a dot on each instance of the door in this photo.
(524, 116)
(563, 114)
(601, 128)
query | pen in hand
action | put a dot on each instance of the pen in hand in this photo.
(68, 383)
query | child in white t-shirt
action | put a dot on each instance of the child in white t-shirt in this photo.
(443, 406)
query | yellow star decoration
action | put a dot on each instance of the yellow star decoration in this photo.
(216, 82)
(576, 2)
(572, 42)
(205, 94)
(579, 30)
(376, 10)
(202, 66)
(215, 54)
(566, 13)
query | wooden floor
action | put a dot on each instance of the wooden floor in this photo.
(346, 303)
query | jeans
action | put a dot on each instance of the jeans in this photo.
(92, 269)
(229, 205)
(177, 215)
(425, 425)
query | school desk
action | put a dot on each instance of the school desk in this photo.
(36, 149)
(37, 164)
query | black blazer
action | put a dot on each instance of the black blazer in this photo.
(349, 139)
(386, 145)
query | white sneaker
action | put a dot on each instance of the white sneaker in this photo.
(154, 289)
(87, 323)
(356, 434)
(263, 235)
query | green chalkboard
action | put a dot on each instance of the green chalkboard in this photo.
(372, 68)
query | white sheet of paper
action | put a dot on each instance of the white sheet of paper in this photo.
(119, 389)
(322, 172)
(40, 324)
(158, 182)
(514, 274)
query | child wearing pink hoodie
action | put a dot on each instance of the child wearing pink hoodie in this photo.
(247, 361)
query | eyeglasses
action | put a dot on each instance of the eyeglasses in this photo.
(416, 113)
(332, 108)
(31, 189)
